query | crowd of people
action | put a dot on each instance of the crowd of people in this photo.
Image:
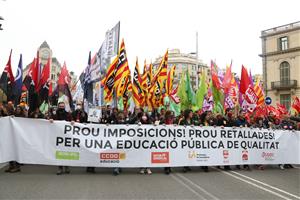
(231, 118)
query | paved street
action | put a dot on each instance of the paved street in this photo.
(40, 182)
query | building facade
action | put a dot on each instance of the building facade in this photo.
(183, 62)
(281, 63)
(55, 67)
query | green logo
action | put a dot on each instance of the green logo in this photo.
(64, 155)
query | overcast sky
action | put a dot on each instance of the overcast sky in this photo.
(227, 29)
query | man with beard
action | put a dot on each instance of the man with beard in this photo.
(61, 114)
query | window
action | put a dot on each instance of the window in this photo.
(283, 41)
(285, 99)
(284, 72)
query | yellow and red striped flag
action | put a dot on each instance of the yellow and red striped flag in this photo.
(137, 89)
(122, 69)
(259, 93)
(161, 73)
(170, 79)
(108, 81)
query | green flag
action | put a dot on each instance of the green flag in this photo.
(200, 94)
(218, 97)
(181, 93)
(189, 90)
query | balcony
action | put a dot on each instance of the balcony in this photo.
(283, 85)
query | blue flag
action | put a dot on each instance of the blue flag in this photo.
(88, 84)
(19, 80)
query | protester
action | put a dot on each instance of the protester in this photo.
(242, 122)
(143, 119)
(120, 119)
(187, 120)
(61, 114)
(168, 120)
(14, 166)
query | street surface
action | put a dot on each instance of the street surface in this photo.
(41, 182)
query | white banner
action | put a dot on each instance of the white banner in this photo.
(108, 49)
(36, 141)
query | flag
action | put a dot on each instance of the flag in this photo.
(282, 109)
(121, 70)
(144, 78)
(88, 84)
(28, 80)
(214, 75)
(217, 93)
(245, 80)
(62, 90)
(36, 72)
(201, 92)
(108, 81)
(161, 73)
(189, 90)
(259, 93)
(127, 93)
(7, 80)
(122, 85)
(137, 91)
(296, 104)
(249, 97)
(29, 84)
(231, 96)
(170, 79)
(227, 79)
(185, 92)
(45, 82)
(19, 81)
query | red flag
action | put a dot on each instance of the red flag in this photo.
(8, 69)
(245, 80)
(296, 104)
(282, 109)
(214, 75)
(272, 109)
(35, 72)
(45, 83)
(45, 75)
(64, 77)
(260, 111)
(227, 79)
(50, 89)
(7, 80)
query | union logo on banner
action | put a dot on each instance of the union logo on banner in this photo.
(250, 100)
(250, 96)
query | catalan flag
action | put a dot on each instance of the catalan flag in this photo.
(108, 81)
(170, 79)
(259, 93)
(127, 93)
(137, 91)
(122, 69)
(161, 73)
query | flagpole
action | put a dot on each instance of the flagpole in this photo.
(118, 47)
(197, 75)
